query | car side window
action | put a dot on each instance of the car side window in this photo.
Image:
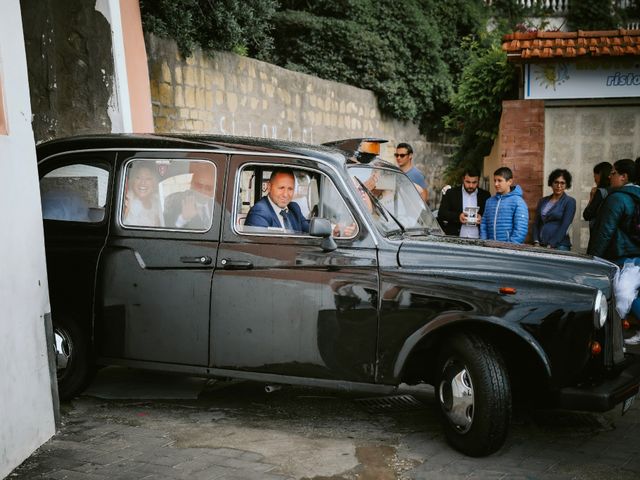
(171, 194)
(279, 200)
(75, 193)
(331, 205)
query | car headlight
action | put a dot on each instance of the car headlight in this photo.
(600, 310)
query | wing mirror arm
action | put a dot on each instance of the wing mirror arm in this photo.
(321, 227)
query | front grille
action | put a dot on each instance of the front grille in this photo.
(614, 344)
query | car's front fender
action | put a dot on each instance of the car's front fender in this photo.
(449, 321)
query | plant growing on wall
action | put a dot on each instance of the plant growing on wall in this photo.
(487, 80)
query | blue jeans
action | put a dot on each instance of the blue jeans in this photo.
(635, 306)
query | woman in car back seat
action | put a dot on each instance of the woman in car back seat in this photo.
(142, 206)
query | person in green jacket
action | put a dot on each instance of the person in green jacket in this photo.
(612, 239)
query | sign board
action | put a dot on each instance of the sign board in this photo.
(593, 78)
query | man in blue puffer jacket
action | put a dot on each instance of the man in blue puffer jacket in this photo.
(506, 216)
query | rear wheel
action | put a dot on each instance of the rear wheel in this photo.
(73, 363)
(473, 394)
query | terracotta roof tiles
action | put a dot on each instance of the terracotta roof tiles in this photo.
(548, 45)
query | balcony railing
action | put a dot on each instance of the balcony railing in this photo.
(559, 8)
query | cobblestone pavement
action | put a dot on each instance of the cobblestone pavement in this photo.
(235, 430)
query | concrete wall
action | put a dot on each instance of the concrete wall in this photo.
(71, 68)
(26, 403)
(537, 137)
(579, 137)
(230, 94)
(87, 67)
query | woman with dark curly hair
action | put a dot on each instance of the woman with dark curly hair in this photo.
(555, 213)
(598, 193)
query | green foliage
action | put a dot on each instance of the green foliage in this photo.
(477, 105)
(406, 51)
(233, 25)
(487, 80)
(592, 15)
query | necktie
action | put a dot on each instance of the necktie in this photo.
(285, 219)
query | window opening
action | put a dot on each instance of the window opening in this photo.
(74, 193)
(314, 194)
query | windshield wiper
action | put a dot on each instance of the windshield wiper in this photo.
(379, 206)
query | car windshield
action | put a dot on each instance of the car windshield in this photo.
(392, 200)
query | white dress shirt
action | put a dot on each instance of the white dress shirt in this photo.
(469, 200)
(276, 209)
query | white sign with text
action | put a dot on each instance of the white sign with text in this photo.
(599, 78)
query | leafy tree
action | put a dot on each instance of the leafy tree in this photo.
(477, 105)
(228, 25)
(592, 15)
(487, 80)
(407, 51)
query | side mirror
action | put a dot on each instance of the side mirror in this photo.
(321, 227)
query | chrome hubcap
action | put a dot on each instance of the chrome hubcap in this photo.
(455, 394)
(64, 350)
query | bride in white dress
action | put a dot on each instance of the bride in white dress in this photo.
(142, 205)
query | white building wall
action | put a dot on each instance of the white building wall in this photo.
(120, 102)
(26, 400)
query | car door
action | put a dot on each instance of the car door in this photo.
(154, 278)
(280, 303)
(76, 202)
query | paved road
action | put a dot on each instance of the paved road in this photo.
(140, 425)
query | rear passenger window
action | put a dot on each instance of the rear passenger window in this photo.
(74, 193)
(171, 194)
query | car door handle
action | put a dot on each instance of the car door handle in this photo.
(203, 260)
(236, 264)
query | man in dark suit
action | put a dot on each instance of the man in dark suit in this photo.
(458, 202)
(192, 209)
(276, 210)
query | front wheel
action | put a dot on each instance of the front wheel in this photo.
(473, 394)
(73, 362)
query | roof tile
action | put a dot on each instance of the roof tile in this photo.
(523, 45)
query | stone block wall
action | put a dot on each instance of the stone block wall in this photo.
(230, 94)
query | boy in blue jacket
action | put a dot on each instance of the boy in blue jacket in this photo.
(506, 216)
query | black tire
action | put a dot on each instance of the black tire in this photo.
(73, 360)
(476, 420)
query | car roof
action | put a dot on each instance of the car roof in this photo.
(225, 143)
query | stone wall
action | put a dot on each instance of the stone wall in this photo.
(230, 94)
(579, 137)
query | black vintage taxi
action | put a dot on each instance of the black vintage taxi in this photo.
(155, 262)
